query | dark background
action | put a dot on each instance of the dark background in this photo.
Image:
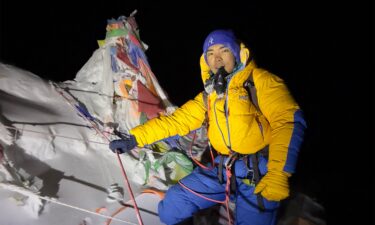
(322, 51)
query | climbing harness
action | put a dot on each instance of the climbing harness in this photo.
(252, 173)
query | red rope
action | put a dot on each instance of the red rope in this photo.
(130, 190)
(119, 160)
(158, 193)
(229, 174)
(225, 201)
(196, 161)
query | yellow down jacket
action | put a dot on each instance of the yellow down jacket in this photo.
(234, 122)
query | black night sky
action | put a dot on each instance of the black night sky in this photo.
(321, 51)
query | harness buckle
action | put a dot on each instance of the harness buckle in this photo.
(231, 159)
(251, 176)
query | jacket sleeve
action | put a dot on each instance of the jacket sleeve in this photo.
(285, 118)
(188, 117)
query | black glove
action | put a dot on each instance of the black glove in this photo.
(123, 145)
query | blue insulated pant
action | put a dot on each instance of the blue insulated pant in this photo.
(180, 204)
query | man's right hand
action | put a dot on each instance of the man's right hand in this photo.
(123, 145)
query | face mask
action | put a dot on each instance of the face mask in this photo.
(219, 81)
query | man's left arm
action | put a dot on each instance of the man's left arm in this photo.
(287, 131)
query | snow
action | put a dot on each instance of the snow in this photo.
(54, 146)
(56, 167)
(55, 155)
(5, 135)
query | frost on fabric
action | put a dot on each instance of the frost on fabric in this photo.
(5, 135)
(40, 147)
(26, 198)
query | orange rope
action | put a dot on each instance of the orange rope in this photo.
(129, 189)
(158, 193)
(151, 191)
(98, 210)
(114, 214)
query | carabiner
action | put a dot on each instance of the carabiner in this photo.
(231, 159)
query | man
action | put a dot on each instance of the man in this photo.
(257, 135)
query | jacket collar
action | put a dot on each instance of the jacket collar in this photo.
(240, 76)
